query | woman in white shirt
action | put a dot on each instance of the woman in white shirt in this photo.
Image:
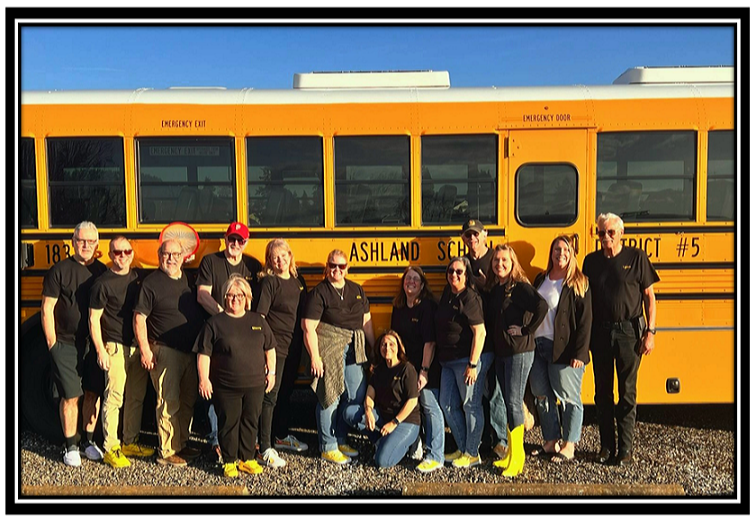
(562, 342)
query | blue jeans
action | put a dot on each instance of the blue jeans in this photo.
(512, 373)
(332, 429)
(498, 409)
(390, 449)
(463, 404)
(212, 417)
(550, 382)
(433, 422)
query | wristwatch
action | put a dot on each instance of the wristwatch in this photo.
(395, 421)
(471, 365)
(424, 368)
(652, 331)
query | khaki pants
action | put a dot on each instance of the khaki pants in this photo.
(125, 385)
(175, 380)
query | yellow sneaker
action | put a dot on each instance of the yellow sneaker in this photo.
(250, 467)
(335, 456)
(466, 461)
(429, 465)
(115, 458)
(346, 450)
(134, 450)
(448, 458)
(230, 470)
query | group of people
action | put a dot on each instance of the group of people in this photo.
(463, 359)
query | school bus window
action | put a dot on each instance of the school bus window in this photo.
(372, 180)
(647, 176)
(720, 182)
(186, 179)
(86, 181)
(28, 184)
(458, 178)
(285, 176)
(546, 194)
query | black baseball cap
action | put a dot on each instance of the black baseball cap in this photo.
(473, 225)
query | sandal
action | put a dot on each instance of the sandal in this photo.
(561, 458)
(541, 452)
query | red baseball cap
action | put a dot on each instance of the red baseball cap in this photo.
(239, 229)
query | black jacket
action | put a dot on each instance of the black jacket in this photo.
(572, 324)
(519, 305)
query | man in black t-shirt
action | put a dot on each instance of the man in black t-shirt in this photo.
(167, 320)
(65, 304)
(214, 271)
(111, 309)
(621, 281)
(475, 237)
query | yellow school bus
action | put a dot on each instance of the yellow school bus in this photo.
(387, 167)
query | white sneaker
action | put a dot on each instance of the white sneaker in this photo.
(418, 453)
(291, 443)
(271, 458)
(93, 452)
(72, 458)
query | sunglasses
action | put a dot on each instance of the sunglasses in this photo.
(340, 266)
(610, 232)
(236, 239)
(458, 272)
(124, 252)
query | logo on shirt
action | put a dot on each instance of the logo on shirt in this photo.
(398, 377)
(359, 297)
(257, 327)
(626, 267)
(415, 320)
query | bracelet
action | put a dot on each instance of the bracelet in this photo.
(395, 421)
(471, 365)
(424, 368)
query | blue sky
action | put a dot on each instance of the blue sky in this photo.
(68, 58)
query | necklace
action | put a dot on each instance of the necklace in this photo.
(341, 295)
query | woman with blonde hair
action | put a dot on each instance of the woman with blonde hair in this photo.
(281, 302)
(560, 358)
(519, 311)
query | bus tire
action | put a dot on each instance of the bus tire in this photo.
(38, 397)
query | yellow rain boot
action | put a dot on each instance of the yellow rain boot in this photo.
(517, 449)
(503, 463)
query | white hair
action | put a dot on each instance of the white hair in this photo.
(604, 218)
(86, 225)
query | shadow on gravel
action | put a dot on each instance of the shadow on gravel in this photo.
(718, 417)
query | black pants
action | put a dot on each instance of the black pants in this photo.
(269, 405)
(238, 413)
(282, 412)
(617, 345)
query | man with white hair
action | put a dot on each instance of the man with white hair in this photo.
(65, 307)
(621, 280)
(167, 320)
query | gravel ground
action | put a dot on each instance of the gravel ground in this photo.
(692, 446)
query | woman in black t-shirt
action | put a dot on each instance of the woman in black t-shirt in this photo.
(236, 361)
(460, 334)
(281, 302)
(412, 319)
(340, 304)
(519, 310)
(390, 414)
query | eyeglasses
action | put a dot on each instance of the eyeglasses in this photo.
(124, 252)
(234, 297)
(91, 243)
(340, 266)
(236, 239)
(458, 272)
(610, 232)
(175, 255)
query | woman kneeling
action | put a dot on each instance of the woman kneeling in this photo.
(390, 414)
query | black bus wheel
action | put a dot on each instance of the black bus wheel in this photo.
(39, 404)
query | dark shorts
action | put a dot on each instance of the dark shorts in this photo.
(75, 370)
(67, 368)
